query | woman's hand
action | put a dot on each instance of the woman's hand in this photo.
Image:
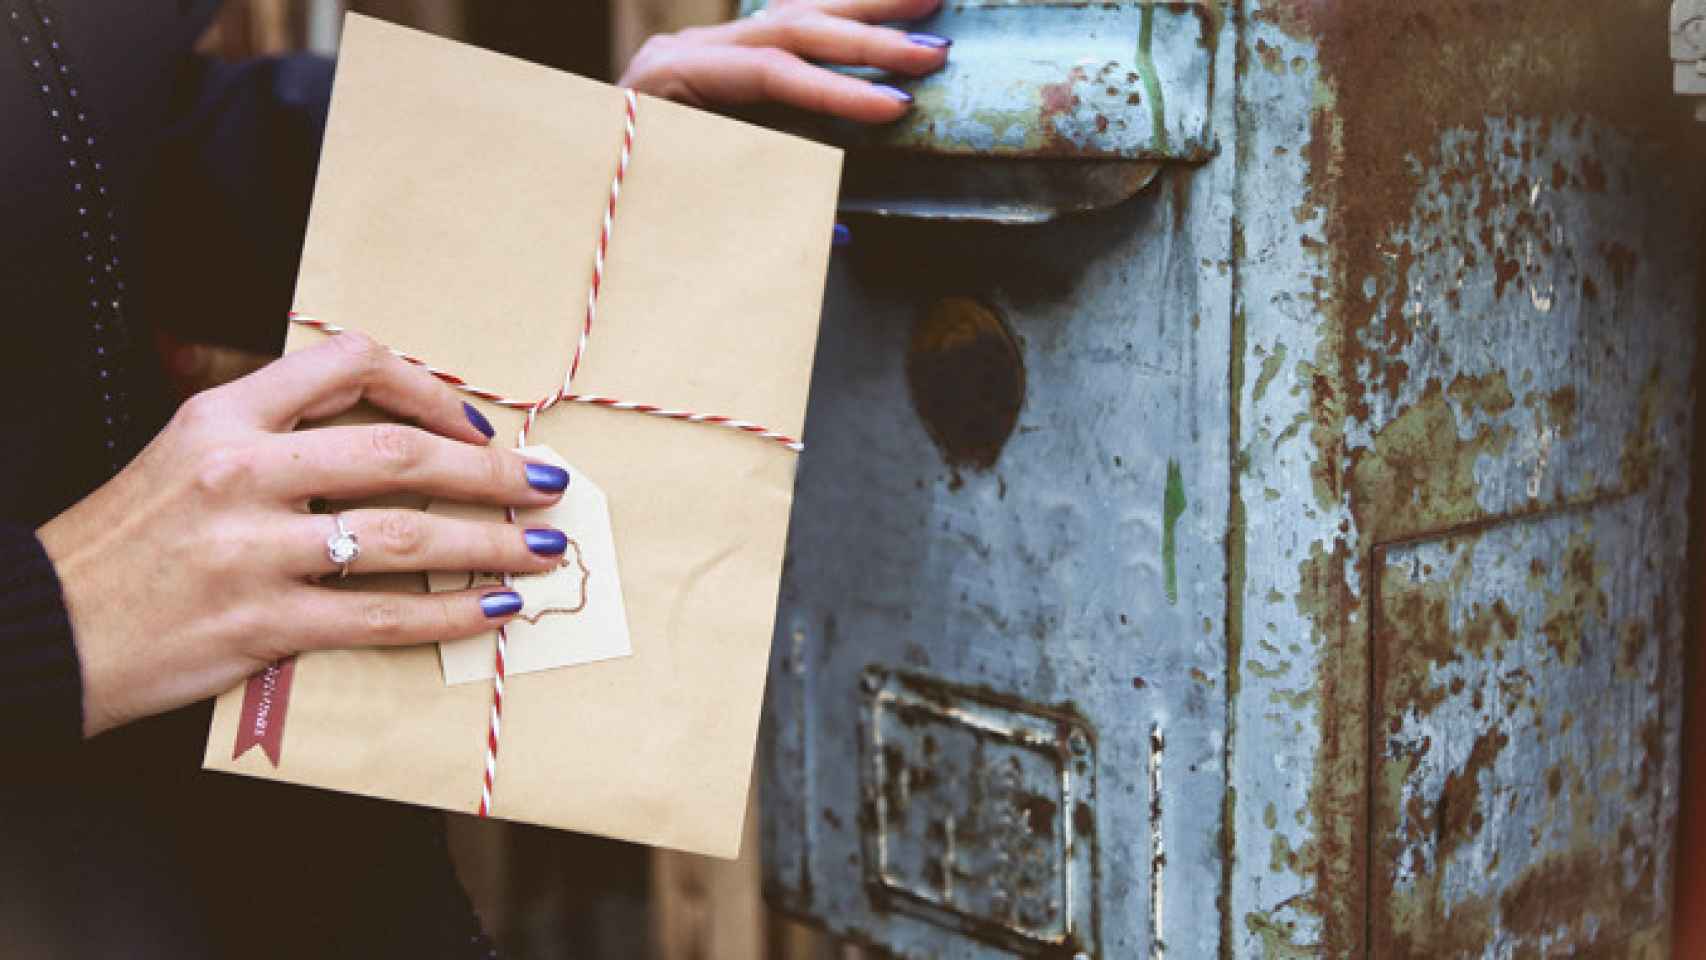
(767, 58)
(194, 567)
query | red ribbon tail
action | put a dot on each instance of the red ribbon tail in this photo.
(266, 697)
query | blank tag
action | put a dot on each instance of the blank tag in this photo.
(571, 615)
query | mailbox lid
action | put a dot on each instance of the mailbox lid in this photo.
(1062, 79)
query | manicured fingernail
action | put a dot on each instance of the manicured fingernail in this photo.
(892, 92)
(500, 603)
(543, 476)
(478, 419)
(930, 40)
(842, 237)
(546, 542)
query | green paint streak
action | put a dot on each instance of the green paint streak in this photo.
(1172, 507)
(1152, 80)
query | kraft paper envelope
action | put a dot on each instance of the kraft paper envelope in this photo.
(459, 199)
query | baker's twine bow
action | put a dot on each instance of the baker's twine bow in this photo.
(533, 408)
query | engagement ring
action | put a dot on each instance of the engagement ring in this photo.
(342, 547)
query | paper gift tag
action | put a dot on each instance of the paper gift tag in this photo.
(573, 614)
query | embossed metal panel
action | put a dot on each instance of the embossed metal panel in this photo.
(982, 814)
(1334, 487)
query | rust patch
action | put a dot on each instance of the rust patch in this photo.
(1576, 898)
(1632, 641)
(1641, 453)
(1622, 261)
(1576, 604)
(1457, 815)
(1418, 473)
(1414, 628)
(1556, 410)
(967, 380)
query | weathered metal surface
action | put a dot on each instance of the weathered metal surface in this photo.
(1519, 704)
(1036, 585)
(1344, 510)
(1471, 234)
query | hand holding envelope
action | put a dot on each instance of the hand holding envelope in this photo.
(459, 200)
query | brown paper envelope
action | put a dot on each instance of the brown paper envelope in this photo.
(458, 202)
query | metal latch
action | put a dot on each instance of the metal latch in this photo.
(1688, 50)
(1045, 106)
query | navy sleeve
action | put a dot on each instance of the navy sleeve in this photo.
(225, 199)
(41, 683)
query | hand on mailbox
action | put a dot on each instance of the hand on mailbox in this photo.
(776, 56)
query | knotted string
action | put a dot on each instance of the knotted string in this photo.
(533, 408)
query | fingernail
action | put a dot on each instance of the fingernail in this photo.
(478, 419)
(843, 236)
(546, 542)
(543, 476)
(930, 40)
(500, 603)
(892, 92)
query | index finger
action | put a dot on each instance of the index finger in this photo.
(348, 368)
(878, 11)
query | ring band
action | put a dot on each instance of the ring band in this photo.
(342, 547)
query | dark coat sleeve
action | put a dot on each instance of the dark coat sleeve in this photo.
(225, 199)
(41, 690)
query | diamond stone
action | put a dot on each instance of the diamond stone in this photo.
(342, 547)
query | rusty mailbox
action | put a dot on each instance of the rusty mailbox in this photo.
(1246, 506)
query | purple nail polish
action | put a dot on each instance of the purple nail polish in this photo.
(842, 236)
(930, 40)
(894, 93)
(546, 542)
(478, 419)
(546, 478)
(500, 603)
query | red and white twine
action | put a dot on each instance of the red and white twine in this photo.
(533, 408)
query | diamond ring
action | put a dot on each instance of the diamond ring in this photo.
(342, 547)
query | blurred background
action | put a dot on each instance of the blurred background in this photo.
(543, 893)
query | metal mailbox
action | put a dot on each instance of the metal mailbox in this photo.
(1250, 520)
